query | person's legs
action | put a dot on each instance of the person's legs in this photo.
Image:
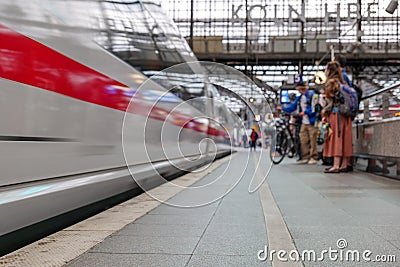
(336, 165)
(347, 143)
(304, 140)
(312, 132)
(350, 162)
(349, 167)
(297, 137)
(336, 162)
(345, 163)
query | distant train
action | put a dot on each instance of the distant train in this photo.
(68, 128)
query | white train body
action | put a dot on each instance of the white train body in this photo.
(63, 130)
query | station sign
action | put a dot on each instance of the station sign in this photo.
(267, 13)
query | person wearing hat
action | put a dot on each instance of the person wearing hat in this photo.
(306, 111)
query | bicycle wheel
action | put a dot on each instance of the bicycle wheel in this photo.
(278, 148)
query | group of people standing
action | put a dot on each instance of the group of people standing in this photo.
(338, 144)
(307, 115)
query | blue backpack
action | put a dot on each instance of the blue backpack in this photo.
(348, 104)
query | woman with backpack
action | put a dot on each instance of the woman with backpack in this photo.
(339, 144)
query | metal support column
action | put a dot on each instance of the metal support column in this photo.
(191, 24)
(366, 110)
(359, 22)
(385, 115)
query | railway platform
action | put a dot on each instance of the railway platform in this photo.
(299, 217)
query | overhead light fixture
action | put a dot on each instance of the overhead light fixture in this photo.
(320, 77)
(251, 99)
(392, 6)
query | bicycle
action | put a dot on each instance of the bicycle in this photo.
(284, 142)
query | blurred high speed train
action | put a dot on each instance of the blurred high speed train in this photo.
(78, 113)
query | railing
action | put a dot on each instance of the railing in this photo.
(216, 44)
(381, 91)
(376, 136)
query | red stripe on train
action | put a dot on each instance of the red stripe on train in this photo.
(27, 61)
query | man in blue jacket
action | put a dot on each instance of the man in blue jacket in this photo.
(304, 104)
